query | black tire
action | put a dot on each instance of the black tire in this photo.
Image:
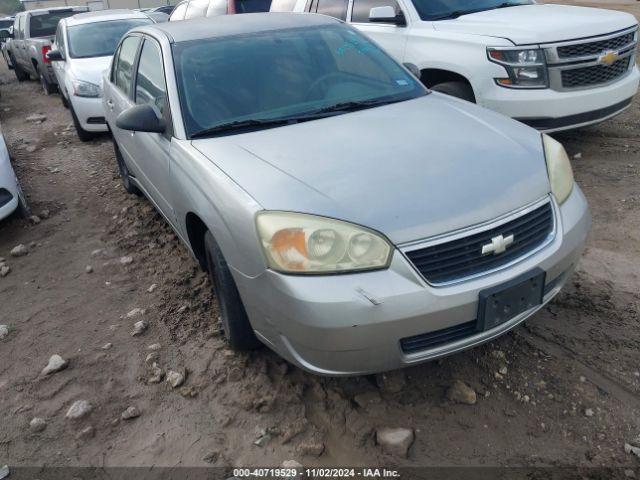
(21, 75)
(124, 172)
(47, 88)
(65, 102)
(83, 135)
(456, 89)
(235, 322)
(23, 210)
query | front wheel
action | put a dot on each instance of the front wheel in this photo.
(124, 172)
(456, 89)
(235, 322)
(48, 87)
(83, 134)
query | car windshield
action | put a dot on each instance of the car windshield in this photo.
(285, 74)
(44, 25)
(99, 39)
(445, 9)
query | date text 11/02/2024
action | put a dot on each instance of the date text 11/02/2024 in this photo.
(315, 472)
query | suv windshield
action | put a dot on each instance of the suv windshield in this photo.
(285, 76)
(99, 39)
(44, 25)
(445, 9)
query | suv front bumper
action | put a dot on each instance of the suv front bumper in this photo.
(352, 324)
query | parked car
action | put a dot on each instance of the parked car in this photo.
(83, 48)
(350, 219)
(33, 33)
(188, 9)
(168, 9)
(11, 197)
(157, 17)
(553, 67)
(6, 25)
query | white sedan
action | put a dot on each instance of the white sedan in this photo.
(11, 196)
(82, 50)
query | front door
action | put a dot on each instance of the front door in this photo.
(393, 38)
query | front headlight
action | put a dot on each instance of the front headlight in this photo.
(527, 68)
(307, 244)
(559, 168)
(86, 89)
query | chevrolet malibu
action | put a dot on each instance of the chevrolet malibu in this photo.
(349, 218)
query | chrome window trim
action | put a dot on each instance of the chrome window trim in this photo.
(479, 228)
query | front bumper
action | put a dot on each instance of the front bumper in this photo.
(90, 113)
(352, 324)
(551, 111)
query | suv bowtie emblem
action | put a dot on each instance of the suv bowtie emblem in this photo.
(498, 245)
(608, 58)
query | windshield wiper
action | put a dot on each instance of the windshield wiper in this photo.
(242, 125)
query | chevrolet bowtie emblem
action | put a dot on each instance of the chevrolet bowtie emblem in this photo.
(608, 58)
(498, 245)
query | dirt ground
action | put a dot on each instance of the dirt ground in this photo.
(568, 394)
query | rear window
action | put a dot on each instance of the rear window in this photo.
(44, 25)
(252, 6)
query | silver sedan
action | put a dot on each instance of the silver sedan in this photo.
(350, 219)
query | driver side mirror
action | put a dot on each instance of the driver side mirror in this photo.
(141, 118)
(387, 14)
(55, 56)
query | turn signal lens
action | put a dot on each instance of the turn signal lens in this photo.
(300, 243)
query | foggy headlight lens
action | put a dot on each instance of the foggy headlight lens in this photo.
(86, 89)
(525, 68)
(300, 243)
(559, 168)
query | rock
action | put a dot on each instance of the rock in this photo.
(34, 219)
(367, 400)
(395, 441)
(97, 252)
(86, 433)
(19, 250)
(152, 288)
(4, 331)
(583, 379)
(136, 312)
(107, 346)
(211, 457)
(503, 370)
(175, 379)
(631, 449)
(460, 392)
(156, 374)
(4, 472)
(263, 439)
(154, 347)
(291, 464)
(578, 156)
(128, 260)
(36, 118)
(313, 447)
(88, 269)
(130, 413)
(499, 354)
(79, 409)
(30, 149)
(5, 270)
(391, 382)
(588, 412)
(45, 214)
(37, 424)
(628, 473)
(151, 358)
(139, 328)
(56, 363)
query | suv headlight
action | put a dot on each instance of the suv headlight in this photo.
(307, 244)
(527, 68)
(559, 168)
(86, 89)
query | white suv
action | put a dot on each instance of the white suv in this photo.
(553, 67)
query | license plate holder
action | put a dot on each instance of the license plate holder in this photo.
(504, 302)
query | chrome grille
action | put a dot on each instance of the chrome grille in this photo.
(462, 258)
(596, 48)
(594, 75)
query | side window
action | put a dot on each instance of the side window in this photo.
(333, 8)
(124, 67)
(362, 8)
(178, 13)
(150, 84)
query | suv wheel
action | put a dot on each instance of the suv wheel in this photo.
(456, 89)
(237, 328)
(23, 210)
(124, 171)
(83, 134)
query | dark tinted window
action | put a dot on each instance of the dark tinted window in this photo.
(283, 73)
(124, 66)
(252, 6)
(440, 9)
(99, 39)
(150, 85)
(362, 8)
(44, 25)
(6, 23)
(333, 8)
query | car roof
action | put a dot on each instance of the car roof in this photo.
(228, 25)
(103, 16)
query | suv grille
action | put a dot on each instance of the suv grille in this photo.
(596, 48)
(594, 75)
(457, 259)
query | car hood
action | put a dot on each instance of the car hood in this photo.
(532, 24)
(89, 69)
(410, 170)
